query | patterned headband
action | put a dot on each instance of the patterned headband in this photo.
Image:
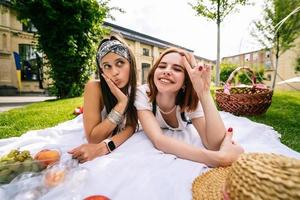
(113, 46)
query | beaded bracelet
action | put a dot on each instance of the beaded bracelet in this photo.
(115, 117)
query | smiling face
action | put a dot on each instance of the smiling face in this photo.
(116, 68)
(170, 74)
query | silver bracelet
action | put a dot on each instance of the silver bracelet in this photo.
(115, 117)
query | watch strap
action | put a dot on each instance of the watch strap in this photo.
(110, 145)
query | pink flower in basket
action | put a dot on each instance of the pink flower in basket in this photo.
(227, 89)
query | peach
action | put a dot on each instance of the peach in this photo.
(54, 178)
(96, 197)
(47, 156)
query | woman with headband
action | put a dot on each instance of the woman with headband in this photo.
(109, 116)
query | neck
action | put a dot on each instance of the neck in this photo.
(165, 101)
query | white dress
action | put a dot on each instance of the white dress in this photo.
(136, 170)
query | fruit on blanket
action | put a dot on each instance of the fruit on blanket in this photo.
(15, 163)
(96, 197)
(47, 156)
(54, 177)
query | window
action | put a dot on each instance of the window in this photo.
(31, 63)
(3, 46)
(268, 64)
(145, 71)
(29, 27)
(247, 57)
(269, 77)
(146, 52)
(255, 56)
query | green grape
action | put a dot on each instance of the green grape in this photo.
(27, 165)
(35, 167)
(13, 153)
(15, 167)
(20, 158)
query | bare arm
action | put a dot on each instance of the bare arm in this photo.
(211, 127)
(96, 129)
(182, 150)
(212, 131)
(87, 152)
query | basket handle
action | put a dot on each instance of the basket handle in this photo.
(232, 75)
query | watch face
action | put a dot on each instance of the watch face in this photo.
(111, 145)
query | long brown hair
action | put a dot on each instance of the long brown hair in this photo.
(186, 98)
(109, 99)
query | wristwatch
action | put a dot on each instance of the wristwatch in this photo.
(109, 144)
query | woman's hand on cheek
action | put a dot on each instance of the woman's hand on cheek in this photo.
(121, 97)
(87, 152)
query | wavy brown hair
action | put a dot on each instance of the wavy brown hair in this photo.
(186, 98)
(109, 99)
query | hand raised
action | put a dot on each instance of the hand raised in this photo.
(121, 97)
(199, 75)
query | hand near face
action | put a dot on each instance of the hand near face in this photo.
(87, 152)
(199, 75)
(121, 97)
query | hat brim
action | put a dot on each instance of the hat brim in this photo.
(209, 185)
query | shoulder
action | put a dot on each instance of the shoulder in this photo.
(198, 112)
(143, 88)
(92, 90)
(92, 85)
(142, 99)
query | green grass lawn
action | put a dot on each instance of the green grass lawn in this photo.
(283, 115)
(40, 115)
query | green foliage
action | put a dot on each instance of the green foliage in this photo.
(216, 10)
(242, 77)
(68, 32)
(279, 27)
(246, 77)
(226, 70)
(276, 31)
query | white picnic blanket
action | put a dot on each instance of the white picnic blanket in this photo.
(136, 170)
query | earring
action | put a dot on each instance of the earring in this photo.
(183, 88)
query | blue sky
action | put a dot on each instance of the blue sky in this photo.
(175, 21)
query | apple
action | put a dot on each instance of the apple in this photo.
(96, 197)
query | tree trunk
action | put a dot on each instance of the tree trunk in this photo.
(276, 61)
(218, 47)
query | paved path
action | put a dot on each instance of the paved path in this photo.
(10, 102)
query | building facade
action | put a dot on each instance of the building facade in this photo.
(266, 59)
(15, 38)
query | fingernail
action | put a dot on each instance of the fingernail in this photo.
(230, 129)
(200, 68)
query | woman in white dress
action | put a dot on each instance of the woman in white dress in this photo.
(113, 94)
(179, 88)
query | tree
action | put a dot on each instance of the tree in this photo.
(217, 10)
(279, 28)
(67, 32)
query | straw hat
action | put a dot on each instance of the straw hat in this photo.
(253, 176)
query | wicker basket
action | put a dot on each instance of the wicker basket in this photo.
(244, 100)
